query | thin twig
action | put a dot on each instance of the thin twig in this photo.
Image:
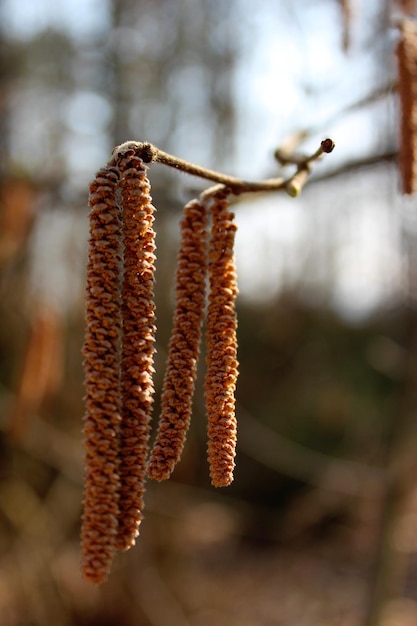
(292, 185)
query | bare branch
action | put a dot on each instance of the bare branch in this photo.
(292, 185)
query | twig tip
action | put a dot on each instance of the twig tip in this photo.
(145, 150)
(328, 145)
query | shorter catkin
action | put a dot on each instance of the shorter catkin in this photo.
(101, 364)
(407, 87)
(178, 387)
(222, 362)
(138, 339)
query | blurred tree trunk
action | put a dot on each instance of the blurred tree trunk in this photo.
(5, 68)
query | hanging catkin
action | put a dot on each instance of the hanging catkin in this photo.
(101, 363)
(138, 338)
(221, 345)
(178, 387)
(120, 336)
(407, 87)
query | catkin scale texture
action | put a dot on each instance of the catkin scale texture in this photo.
(178, 386)
(119, 352)
(101, 364)
(221, 375)
(138, 339)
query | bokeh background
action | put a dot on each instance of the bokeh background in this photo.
(320, 524)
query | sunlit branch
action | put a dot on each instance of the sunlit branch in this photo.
(292, 185)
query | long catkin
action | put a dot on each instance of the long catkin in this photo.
(101, 363)
(179, 380)
(407, 88)
(138, 339)
(221, 329)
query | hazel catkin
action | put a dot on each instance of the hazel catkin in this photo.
(221, 375)
(101, 364)
(138, 339)
(179, 380)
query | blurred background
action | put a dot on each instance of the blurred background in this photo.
(320, 524)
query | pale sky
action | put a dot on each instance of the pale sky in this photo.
(283, 82)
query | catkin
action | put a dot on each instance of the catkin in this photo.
(138, 338)
(119, 352)
(101, 363)
(407, 87)
(179, 380)
(222, 362)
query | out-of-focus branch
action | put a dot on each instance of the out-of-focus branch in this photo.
(352, 166)
(268, 447)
